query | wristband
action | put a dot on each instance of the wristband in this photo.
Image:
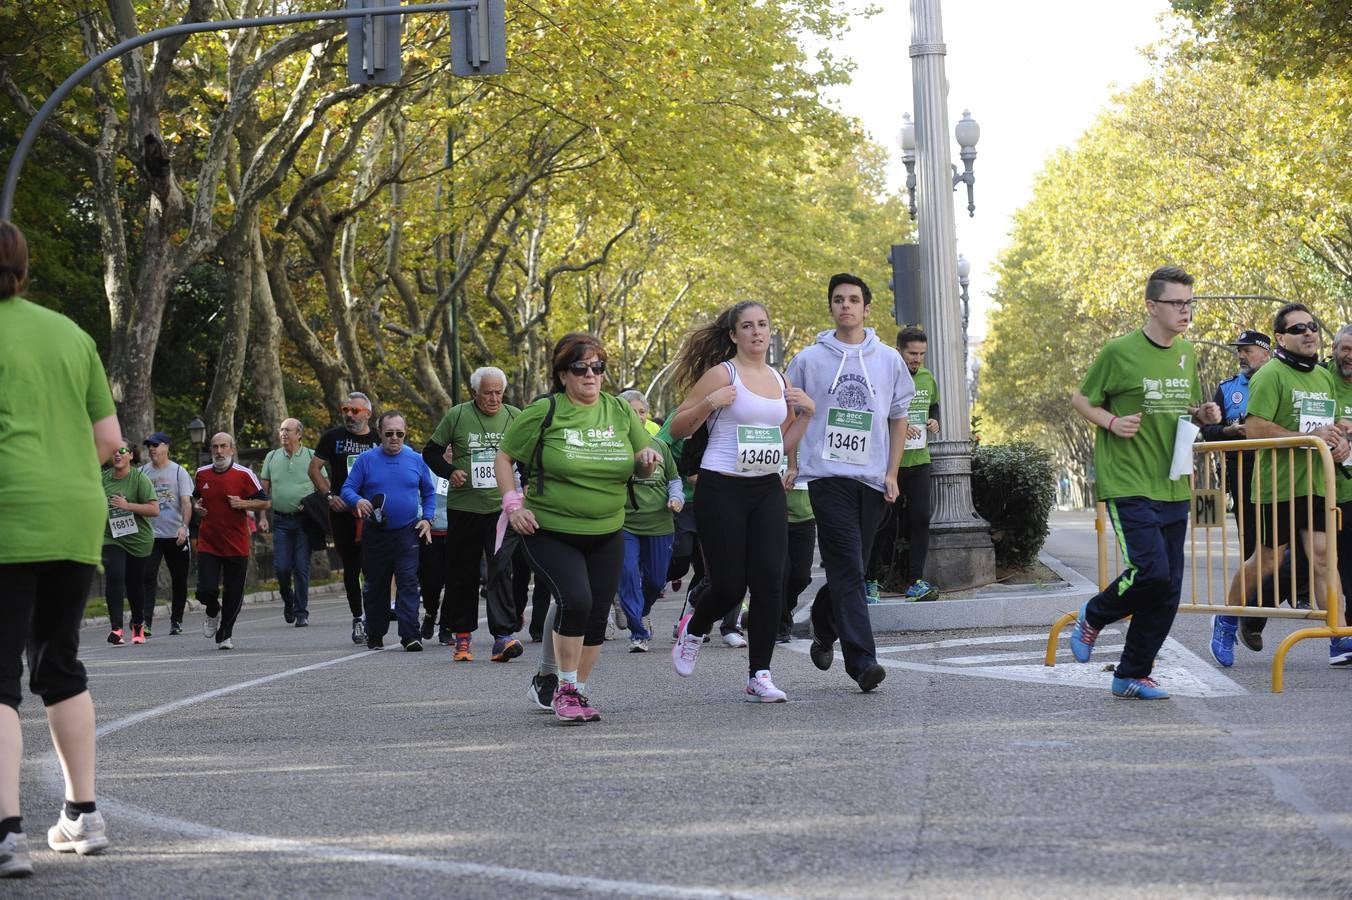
(1110, 424)
(511, 502)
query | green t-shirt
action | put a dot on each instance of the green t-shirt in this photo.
(676, 445)
(800, 507)
(52, 389)
(137, 535)
(1343, 393)
(588, 458)
(926, 395)
(288, 478)
(652, 516)
(1297, 401)
(474, 438)
(1132, 374)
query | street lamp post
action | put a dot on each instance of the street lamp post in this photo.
(197, 434)
(961, 554)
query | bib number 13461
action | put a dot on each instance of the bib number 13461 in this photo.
(760, 449)
(847, 436)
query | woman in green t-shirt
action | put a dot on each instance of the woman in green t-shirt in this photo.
(580, 447)
(127, 541)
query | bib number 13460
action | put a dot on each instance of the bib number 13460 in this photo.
(760, 449)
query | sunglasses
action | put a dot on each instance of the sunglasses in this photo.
(352, 410)
(122, 451)
(152, 444)
(580, 368)
(395, 434)
(1301, 328)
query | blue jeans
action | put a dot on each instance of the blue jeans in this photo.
(646, 558)
(1150, 534)
(291, 556)
(391, 554)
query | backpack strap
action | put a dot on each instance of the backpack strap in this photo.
(537, 460)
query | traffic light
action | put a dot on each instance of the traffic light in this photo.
(479, 39)
(905, 284)
(373, 45)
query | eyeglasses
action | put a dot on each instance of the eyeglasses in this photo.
(352, 410)
(580, 368)
(1301, 328)
(122, 451)
(152, 444)
(1180, 305)
(395, 434)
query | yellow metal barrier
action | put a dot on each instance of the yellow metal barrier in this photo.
(1209, 517)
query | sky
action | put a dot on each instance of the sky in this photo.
(1035, 75)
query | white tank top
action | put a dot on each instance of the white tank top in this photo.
(726, 441)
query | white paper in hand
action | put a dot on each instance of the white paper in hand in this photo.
(1183, 439)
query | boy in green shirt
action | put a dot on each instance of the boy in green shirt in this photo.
(1136, 392)
(1289, 396)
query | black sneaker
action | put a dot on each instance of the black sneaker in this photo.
(302, 621)
(428, 628)
(375, 643)
(1251, 633)
(413, 646)
(822, 654)
(358, 631)
(175, 627)
(288, 612)
(871, 677)
(542, 689)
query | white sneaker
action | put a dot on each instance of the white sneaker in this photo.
(84, 835)
(227, 644)
(760, 689)
(209, 626)
(638, 645)
(686, 652)
(14, 859)
(610, 625)
(734, 640)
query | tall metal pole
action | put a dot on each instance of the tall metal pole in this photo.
(960, 553)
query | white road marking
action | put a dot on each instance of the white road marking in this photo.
(1008, 656)
(979, 641)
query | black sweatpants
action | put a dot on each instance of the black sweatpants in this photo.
(744, 536)
(123, 578)
(583, 572)
(211, 569)
(343, 525)
(847, 512)
(49, 630)
(797, 569)
(469, 554)
(177, 557)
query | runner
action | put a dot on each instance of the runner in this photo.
(286, 480)
(127, 540)
(1135, 392)
(224, 493)
(850, 459)
(740, 508)
(173, 487)
(649, 530)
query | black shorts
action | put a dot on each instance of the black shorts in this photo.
(1299, 508)
(41, 610)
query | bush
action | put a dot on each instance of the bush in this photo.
(1014, 488)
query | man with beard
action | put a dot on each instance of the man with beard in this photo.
(223, 493)
(1292, 396)
(338, 449)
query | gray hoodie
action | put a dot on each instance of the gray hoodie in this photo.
(866, 377)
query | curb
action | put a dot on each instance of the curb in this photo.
(319, 593)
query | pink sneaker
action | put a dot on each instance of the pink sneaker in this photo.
(568, 704)
(760, 689)
(589, 712)
(686, 652)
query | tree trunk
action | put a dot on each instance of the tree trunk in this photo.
(265, 365)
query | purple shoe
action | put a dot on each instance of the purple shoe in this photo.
(589, 712)
(685, 653)
(568, 705)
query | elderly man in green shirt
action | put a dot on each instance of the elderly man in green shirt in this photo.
(286, 480)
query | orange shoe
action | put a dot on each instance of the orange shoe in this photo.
(138, 634)
(462, 653)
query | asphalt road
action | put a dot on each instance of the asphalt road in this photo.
(299, 766)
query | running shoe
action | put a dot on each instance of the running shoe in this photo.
(676, 585)
(85, 834)
(1223, 630)
(871, 677)
(822, 653)
(14, 859)
(784, 637)
(542, 688)
(375, 643)
(1138, 689)
(872, 592)
(138, 634)
(302, 620)
(413, 646)
(358, 631)
(567, 704)
(921, 590)
(610, 625)
(1251, 633)
(638, 645)
(227, 644)
(429, 625)
(462, 654)
(686, 652)
(209, 625)
(1340, 651)
(115, 637)
(288, 611)
(589, 712)
(1082, 636)
(175, 627)
(506, 648)
(445, 638)
(760, 689)
(734, 640)
(145, 630)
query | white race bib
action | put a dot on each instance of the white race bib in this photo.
(848, 436)
(1315, 413)
(760, 449)
(121, 523)
(481, 474)
(442, 487)
(918, 420)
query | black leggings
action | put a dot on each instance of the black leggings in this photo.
(583, 572)
(910, 516)
(177, 556)
(344, 528)
(744, 536)
(123, 577)
(49, 630)
(797, 568)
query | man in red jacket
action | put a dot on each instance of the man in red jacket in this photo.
(223, 493)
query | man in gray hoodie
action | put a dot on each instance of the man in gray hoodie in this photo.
(849, 458)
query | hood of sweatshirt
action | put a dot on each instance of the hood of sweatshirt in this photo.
(848, 353)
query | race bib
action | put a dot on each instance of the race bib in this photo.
(442, 487)
(848, 435)
(352, 460)
(121, 523)
(1315, 413)
(481, 474)
(760, 449)
(916, 418)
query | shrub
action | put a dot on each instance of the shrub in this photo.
(1014, 488)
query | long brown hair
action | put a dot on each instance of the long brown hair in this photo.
(709, 345)
(13, 260)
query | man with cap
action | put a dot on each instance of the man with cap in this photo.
(173, 488)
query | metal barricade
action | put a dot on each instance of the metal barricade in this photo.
(1207, 593)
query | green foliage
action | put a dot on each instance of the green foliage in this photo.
(1014, 488)
(1282, 37)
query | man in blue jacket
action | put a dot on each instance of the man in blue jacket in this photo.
(391, 490)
